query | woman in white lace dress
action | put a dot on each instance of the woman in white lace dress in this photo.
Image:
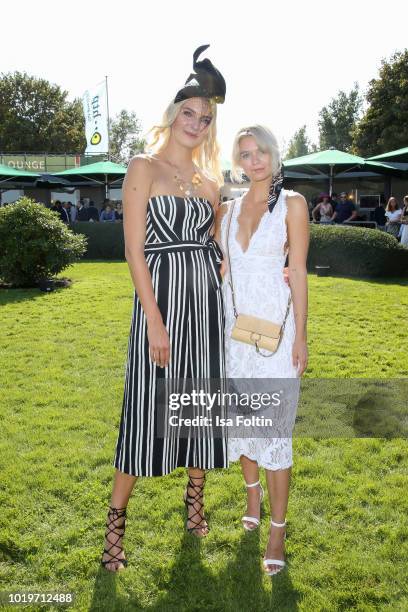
(259, 241)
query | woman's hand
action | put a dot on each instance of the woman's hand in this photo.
(286, 275)
(300, 355)
(159, 343)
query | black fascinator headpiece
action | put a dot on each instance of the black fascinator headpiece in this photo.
(205, 82)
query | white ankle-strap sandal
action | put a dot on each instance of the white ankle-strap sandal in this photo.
(279, 562)
(253, 519)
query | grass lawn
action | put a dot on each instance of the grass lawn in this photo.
(61, 383)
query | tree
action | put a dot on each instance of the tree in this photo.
(337, 120)
(125, 139)
(384, 126)
(35, 116)
(299, 144)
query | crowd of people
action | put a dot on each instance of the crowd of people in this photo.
(391, 217)
(323, 209)
(71, 213)
(333, 209)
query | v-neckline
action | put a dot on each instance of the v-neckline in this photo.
(237, 228)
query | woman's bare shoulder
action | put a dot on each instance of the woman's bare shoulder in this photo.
(295, 200)
(142, 162)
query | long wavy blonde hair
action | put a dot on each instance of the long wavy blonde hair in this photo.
(206, 156)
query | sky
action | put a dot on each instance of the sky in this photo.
(282, 61)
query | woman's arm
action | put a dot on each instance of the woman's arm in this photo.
(298, 236)
(315, 210)
(136, 192)
(222, 210)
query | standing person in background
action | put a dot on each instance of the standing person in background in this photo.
(93, 212)
(345, 210)
(65, 213)
(334, 200)
(73, 212)
(119, 212)
(404, 222)
(82, 213)
(57, 207)
(379, 216)
(323, 209)
(393, 214)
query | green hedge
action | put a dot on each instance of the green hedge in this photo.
(356, 251)
(348, 250)
(105, 240)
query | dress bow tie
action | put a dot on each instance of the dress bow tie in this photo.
(214, 247)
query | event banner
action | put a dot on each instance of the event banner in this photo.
(96, 119)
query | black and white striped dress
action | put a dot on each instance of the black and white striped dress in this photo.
(183, 260)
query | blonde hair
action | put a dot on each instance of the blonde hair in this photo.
(206, 156)
(265, 140)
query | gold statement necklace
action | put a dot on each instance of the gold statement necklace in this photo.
(188, 187)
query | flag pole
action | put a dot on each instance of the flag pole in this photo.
(107, 194)
(107, 112)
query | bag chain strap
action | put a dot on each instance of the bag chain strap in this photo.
(233, 294)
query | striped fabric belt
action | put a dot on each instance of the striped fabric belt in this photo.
(186, 245)
(210, 247)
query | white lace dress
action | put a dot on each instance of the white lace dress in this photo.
(260, 290)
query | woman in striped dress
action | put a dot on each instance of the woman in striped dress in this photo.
(177, 328)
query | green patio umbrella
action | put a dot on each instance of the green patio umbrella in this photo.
(396, 159)
(400, 156)
(7, 174)
(331, 162)
(104, 173)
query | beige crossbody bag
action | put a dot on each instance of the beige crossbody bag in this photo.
(261, 333)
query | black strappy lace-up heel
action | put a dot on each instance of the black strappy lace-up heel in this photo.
(118, 530)
(198, 517)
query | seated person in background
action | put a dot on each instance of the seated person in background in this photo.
(323, 209)
(379, 216)
(108, 214)
(345, 210)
